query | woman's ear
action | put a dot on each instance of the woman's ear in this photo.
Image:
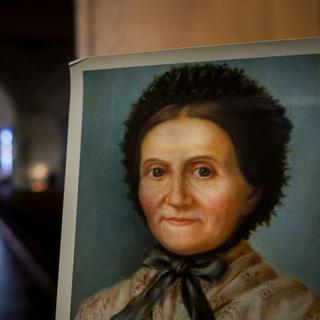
(252, 199)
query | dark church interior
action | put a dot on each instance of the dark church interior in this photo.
(36, 44)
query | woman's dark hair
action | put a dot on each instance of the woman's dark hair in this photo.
(254, 120)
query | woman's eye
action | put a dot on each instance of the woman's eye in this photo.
(157, 172)
(203, 172)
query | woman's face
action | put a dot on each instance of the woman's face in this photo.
(191, 189)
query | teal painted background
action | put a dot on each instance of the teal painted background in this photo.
(111, 240)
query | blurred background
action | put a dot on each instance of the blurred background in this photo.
(37, 40)
(36, 44)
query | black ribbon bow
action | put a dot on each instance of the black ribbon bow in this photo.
(207, 267)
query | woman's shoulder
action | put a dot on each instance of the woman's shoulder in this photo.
(110, 301)
(251, 289)
(277, 298)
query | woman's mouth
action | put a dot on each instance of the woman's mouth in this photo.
(179, 221)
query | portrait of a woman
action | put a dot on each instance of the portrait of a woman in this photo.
(205, 152)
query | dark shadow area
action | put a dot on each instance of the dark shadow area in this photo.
(22, 295)
(35, 218)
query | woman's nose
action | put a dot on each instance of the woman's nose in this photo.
(178, 195)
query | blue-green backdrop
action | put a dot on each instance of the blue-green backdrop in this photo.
(111, 239)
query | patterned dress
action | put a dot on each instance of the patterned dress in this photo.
(249, 290)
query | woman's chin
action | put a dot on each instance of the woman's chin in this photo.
(185, 248)
(184, 238)
(181, 250)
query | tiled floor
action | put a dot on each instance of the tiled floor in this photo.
(23, 295)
